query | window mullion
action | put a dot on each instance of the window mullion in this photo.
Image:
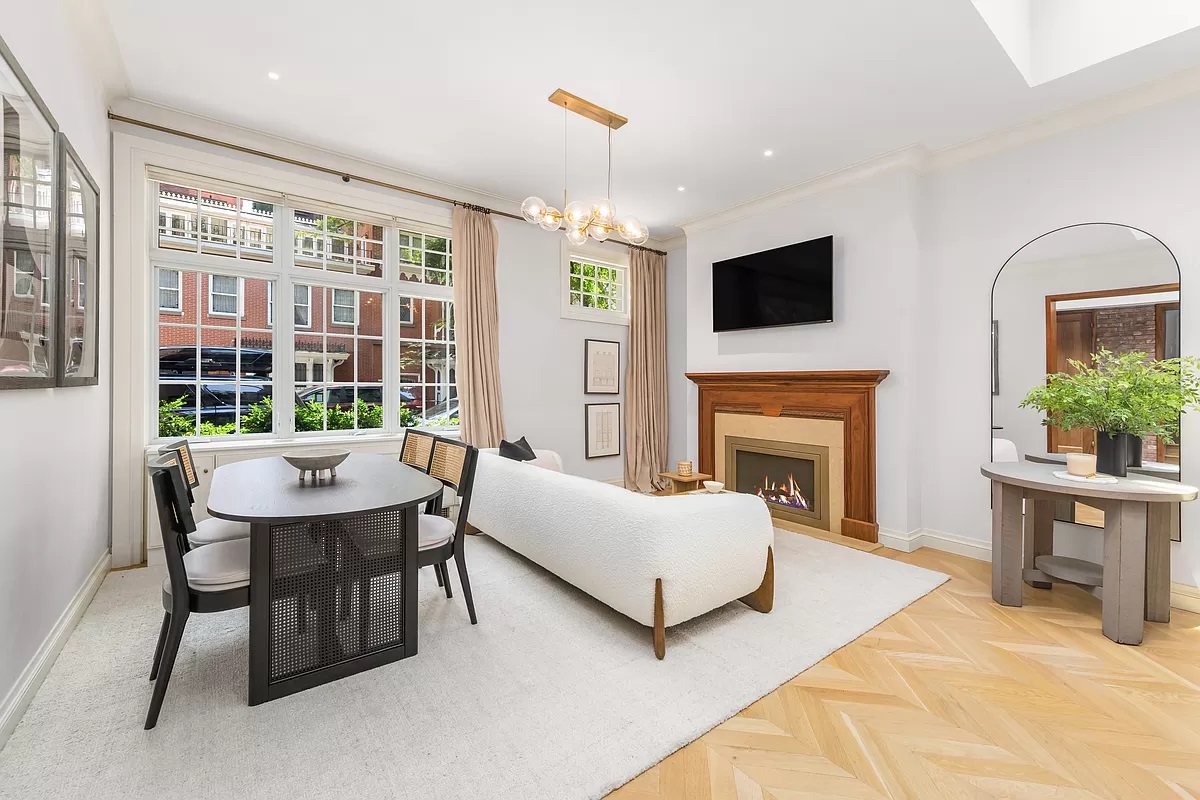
(283, 331)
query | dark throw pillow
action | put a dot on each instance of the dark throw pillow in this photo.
(518, 450)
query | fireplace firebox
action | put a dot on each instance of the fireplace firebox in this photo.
(793, 479)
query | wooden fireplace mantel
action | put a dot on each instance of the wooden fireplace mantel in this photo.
(846, 395)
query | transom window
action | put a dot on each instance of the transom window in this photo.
(595, 289)
(371, 334)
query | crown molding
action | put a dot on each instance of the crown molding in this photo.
(670, 243)
(247, 137)
(908, 158)
(1078, 117)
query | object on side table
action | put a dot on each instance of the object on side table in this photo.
(715, 487)
(684, 468)
(1135, 451)
(316, 461)
(681, 483)
(1112, 453)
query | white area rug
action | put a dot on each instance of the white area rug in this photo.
(552, 695)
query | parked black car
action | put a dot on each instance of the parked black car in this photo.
(217, 373)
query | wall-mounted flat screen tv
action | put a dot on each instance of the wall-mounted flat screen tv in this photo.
(790, 285)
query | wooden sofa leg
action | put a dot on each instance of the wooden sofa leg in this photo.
(763, 598)
(660, 631)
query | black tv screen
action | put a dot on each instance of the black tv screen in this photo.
(790, 285)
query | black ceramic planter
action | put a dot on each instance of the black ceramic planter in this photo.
(1135, 450)
(1112, 453)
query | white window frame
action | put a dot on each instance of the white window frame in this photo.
(177, 289)
(334, 305)
(611, 257)
(241, 294)
(307, 304)
(19, 274)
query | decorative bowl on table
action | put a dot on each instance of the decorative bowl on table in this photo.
(714, 487)
(316, 461)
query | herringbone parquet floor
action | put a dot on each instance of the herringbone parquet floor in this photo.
(957, 697)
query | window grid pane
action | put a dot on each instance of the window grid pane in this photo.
(337, 244)
(339, 368)
(214, 223)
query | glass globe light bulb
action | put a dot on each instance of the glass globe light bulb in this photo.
(597, 232)
(628, 227)
(604, 211)
(577, 213)
(641, 237)
(533, 209)
(552, 220)
(577, 236)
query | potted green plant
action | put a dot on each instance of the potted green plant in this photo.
(1122, 397)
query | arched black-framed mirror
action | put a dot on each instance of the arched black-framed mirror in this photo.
(1063, 296)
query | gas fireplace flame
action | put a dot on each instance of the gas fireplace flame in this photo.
(785, 494)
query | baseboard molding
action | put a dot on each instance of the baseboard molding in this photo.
(938, 540)
(21, 695)
(1183, 597)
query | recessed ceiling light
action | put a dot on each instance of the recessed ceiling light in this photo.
(768, 153)
(273, 76)
(682, 189)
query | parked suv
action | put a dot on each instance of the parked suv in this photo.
(219, 380)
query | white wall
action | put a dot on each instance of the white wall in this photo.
(54, 481)
(876, 287)
(1141, 170)
(916, 255)
(678, 385)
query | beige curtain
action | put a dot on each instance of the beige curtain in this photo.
(476, 328)
(646, 372)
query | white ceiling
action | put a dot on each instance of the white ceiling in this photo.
(457, 90)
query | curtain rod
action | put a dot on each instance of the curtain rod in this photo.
(346, 176)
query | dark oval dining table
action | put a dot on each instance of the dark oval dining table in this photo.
(308, 544)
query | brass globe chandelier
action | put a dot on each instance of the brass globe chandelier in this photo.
(581, 220)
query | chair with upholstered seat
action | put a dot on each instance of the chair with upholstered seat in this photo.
(439, 539)
(202, 580)
(211, 530)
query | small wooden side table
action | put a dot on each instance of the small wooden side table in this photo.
(684, 483)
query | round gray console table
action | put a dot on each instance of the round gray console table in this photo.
(1134, 583)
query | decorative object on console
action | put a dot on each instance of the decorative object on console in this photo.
(315, 462)
(714, 487)
(582, 221)
(1121, 397)
(601, 367)
(29, 330)
(603, 429)
(476, 326)
(78, 270)
(1082, 465)
(517, 451)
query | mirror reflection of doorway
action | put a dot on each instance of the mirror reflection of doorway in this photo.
(1065, 295)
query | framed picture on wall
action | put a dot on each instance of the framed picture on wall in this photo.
(603, 429)
(79, 271)
(28, 234)
(601, 367)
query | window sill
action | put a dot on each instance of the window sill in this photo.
(250, 445)
(594, 315)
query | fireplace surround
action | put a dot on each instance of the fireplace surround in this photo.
(847, 396)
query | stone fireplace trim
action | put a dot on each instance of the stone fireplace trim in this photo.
(847, 395)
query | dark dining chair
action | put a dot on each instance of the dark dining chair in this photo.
(439, 539)
(211, 530)
(418, 449)
(203, 580)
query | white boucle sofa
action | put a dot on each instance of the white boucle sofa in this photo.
(657, 560)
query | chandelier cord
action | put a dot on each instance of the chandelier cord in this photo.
(609, 196)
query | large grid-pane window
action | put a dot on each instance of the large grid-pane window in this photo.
(339, 367)
(428, 394)
(215, 372)
(221, 288)
(337, 244)
(214, 223)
